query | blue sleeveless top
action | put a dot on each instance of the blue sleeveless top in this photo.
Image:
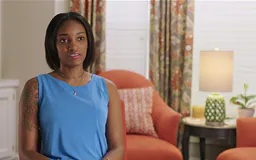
(73, 127)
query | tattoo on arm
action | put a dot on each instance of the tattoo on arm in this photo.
(29, 105)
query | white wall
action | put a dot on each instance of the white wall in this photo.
(24, 24)
(127, 35)
(227, 25)
(223, 24)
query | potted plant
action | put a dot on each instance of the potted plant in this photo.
(246, 103)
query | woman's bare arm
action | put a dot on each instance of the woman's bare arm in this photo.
(114, 125)
(28, 122)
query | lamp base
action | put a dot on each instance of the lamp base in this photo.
(215, 123)
(215, 112)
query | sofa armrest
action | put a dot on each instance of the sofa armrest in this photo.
(166, 120)
(246, 131)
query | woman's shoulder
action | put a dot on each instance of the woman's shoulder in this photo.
(31, 84)
(108, 82)
(111, 87)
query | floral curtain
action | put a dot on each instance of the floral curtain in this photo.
(171, 45)
(94, 12)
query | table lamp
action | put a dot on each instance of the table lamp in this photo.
(216, 75)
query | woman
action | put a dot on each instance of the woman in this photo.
(70, 114)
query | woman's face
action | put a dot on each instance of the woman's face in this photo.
(71, 43)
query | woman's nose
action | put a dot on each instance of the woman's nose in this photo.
(72, 47)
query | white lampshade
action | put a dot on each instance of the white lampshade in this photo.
(216, 71)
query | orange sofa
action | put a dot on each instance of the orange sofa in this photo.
(166, 122)
(245, 141)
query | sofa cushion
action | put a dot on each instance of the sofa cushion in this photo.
(140, 147)
(124, 129)
(243, 153)
(138, 110)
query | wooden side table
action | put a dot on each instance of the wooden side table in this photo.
(198, 128)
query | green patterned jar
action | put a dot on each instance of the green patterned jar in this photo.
(215, 112)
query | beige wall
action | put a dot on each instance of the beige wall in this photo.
(24, 24)
(0, 38)
(61, 6)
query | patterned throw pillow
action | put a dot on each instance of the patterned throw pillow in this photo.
(138, 110)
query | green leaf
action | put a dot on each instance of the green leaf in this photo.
(243, 100)
(251, 103)
(241, 96)
(247, 98)
(233, 99)
(245, 86)
(251, 97)
(239, 104)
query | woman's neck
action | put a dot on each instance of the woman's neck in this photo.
(71, 73)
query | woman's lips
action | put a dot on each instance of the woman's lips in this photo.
(74, 55)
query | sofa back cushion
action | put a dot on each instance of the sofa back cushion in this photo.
(138, 110)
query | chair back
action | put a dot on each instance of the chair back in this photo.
(245, 132)
(126, 79)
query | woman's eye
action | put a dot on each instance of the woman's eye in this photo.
(63, 41)
(80, 38)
